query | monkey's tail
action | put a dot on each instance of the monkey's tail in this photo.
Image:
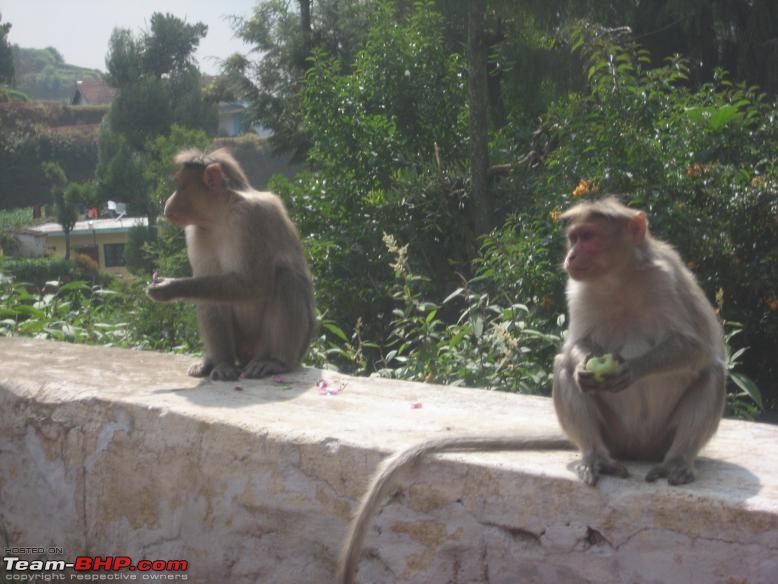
(382, 481)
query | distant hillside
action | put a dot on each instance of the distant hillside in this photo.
(43, 74)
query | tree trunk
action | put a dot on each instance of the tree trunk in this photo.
(478, 96)
(67, 244)
(305, 25)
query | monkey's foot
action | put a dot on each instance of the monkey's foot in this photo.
(593, 465)
(676, 471)
(225, 372)
(257, 368)
(202, 369)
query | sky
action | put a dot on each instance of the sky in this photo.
(80, 29)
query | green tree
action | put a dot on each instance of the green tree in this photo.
(64, 206)
(161, 246)
(158, 81)
(120, 175)
(285, 35)
(159, 87)
(477, 94)
(6, 54)
(124, 59)
(169, 46)
(389, 153)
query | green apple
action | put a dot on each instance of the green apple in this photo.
(602, 365)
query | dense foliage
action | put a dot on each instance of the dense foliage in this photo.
(159, 89)
(286, 38)
(378, 132)
(579, 106)
(7, 70)
(158, 81)
(78, 311)
(388, 154)
(33, 133)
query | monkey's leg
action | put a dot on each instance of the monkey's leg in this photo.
(580, 418)
(218, 335)
(693, 422)
(287, 327)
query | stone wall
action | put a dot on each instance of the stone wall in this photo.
(116, 452)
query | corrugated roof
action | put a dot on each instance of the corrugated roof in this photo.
(98, 225)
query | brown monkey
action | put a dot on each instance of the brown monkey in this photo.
(251, 282)
(631, 295)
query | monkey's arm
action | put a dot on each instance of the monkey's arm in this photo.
(228, 287)
(676, 353)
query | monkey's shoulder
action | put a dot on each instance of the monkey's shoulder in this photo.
(260, 201)
(260, 210)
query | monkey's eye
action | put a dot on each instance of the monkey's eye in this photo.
(581, 235)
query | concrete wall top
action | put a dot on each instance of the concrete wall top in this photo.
(112, 451)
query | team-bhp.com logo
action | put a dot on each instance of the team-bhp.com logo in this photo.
(92, 568)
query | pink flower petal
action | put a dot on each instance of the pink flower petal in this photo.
(326, 388)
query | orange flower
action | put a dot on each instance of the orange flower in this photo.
(555, 215)
(546, 302)
(697, 169)
(585, 187)
(758, 181)
(772, 303)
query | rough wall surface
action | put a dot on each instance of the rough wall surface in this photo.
(115, 452)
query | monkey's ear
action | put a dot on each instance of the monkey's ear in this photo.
(637, 227)
(213, 177)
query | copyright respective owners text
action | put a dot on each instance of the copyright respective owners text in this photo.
(57, 564)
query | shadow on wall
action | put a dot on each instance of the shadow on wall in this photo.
(248, 392)
(714, 478)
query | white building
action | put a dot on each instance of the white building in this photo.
(101, 239)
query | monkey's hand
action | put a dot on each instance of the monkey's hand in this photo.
(613, 381)
(162, 290)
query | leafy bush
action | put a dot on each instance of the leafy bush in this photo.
(80, 312)
(702, 161)
(389, 153)
(29, 138)
(496, 342)
(8, 94)
(36, 272)
(388, 137)
(15, 218)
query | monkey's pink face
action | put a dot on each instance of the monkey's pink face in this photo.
(587, 244)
